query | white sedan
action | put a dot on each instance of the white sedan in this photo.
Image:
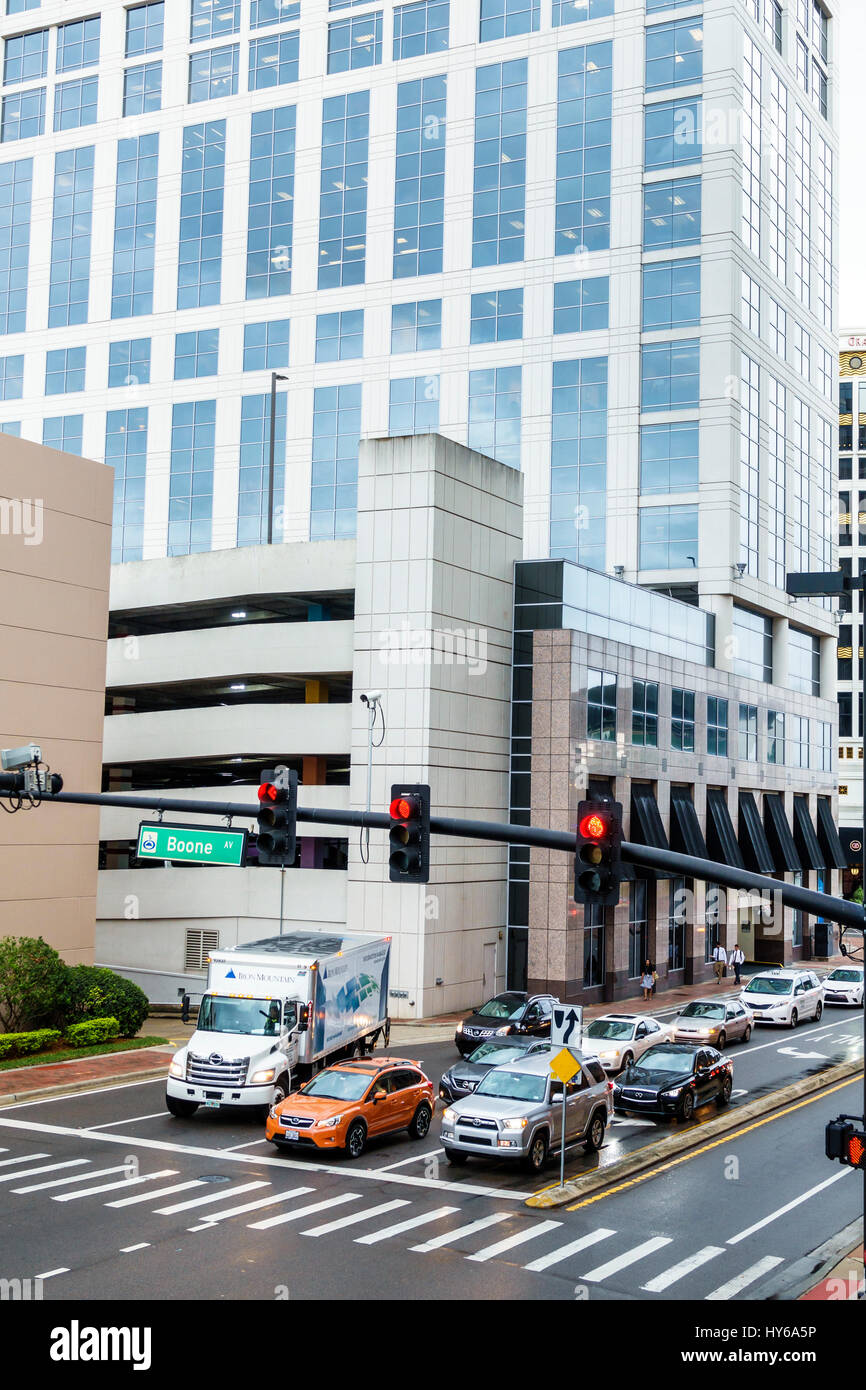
(619, 1039)
(844, 985)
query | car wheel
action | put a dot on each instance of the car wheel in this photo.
(724, 1095)
(356, 1139)
(537, 1155)
(819, 1009)
(627, 1061)
(795, 1018)
(748, 1033)
(722, 1041)
(181, 1109)
(420, 1122)
(595, 1137)
(455, 1158)
(686, 1107)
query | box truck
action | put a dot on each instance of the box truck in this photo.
(277, 1010)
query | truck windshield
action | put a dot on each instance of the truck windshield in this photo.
(256, 1017)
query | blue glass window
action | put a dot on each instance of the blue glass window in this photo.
(64, 370)
(670, 375)
(144, 29)
(129, 362)
(580, 306)
(671, 213)
(421, 28)
(75, 103)
(126, 452)
(346, 4)
(16, 181)
(340, 336)
(63, 432)
(501, 19)
(263, 12)
(213, 74)
(214, 19)
(266, 345)
(500, 164)
(674, 54)
(671, 294)
(669, 457)
(134, 226)
(575, 11)
(23, 115)
(12, 377)
(419, 191)
(583, 136)
(494, 413)
(497, 316)
(25, 57)
(19, 6)
(12, 427)
(78, 45)
(272, 202)
(70, 238)
(190, 503)
(355, 42)
(343, 198)
(668, 538)
(196, 354)
(273, 61)
(416, 327)
(254, 459)
(672, 133)
(414, 405)
(578, 461)
(201, 215)
(336, 435)
(653, 6)
(142, 89)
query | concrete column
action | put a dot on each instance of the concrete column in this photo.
(780, 651)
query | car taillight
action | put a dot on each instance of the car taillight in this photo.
(610, 1085)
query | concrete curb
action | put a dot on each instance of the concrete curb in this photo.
(654, 1154)
(805, 1273)
(91, 1084)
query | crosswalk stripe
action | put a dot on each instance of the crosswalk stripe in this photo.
(402, 1226)
(638, 1252)
(47, 1168)
(742, 1281)
(113, 1186)
(156, 1196)
(22, 1158)
(50, 1273)
(74, 1177)
(556, 1256)
(268, 1201)
(682, 1268)
(356, 1217)
(211, 1197)
(304, 1211)
(451, 1236)
(520, 1238)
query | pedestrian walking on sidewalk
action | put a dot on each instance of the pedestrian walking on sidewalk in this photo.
(720, 961)
(736, 960)
(646, 980)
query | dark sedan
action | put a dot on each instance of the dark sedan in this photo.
(674, 1079)
(461, 1079)
(514, 1012)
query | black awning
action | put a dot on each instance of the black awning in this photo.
(721, 837)
(686, 834)
(753, 841)
(834, 856)
(646, 826)
(811, 855)
(779, 835)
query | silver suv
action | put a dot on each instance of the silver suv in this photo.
(516, 1113)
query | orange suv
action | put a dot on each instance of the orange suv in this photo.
(344, 1105)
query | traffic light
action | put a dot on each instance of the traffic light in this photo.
(843, 1141)
(597, 865)
(409, 837)
(278, 809)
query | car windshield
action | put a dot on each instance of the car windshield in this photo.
(255, 1017)
(666, 1059)
(503, 1006)
(608, 1028)
(512, 1085)
(337, 1085)
(494, 1053)
(767, 984)
(851, 977)
(699, 1010)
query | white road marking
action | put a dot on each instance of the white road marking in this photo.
(401, 1226)
(564, 1251)
(131, 1120)
(356, 1216)
(113, 1186)
(416, 1158)
(210, 1197)
(749, 1051)
(304, 1211)
(743, 1280)
(128, 1249)
(214, 1216)
(679, 1271)
(22, 1158)
(46, 1168)
(789, 1206)
(250, 1144)
(519, 1239)
(450, 1236)
(75, 1177)
(156, 1196)
(96, 1091)
(638, 1252)
(50, 1273)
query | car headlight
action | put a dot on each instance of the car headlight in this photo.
(460, 1026)
(176, 1069)
(329, 1124)
(672, 1095)
(608, 1056)
(261, 1078)
(273, 1113)
(515, 1124)
(449, 1116)
(501, 1032)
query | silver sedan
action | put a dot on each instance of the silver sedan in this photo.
(619, 1039)
(714, 1021)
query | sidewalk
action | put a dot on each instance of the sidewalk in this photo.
(844, 1283)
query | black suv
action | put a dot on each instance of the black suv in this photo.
(515, 1012)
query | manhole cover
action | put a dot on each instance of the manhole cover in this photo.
(213, 1177)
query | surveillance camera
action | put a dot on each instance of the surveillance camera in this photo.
(371, 697)
(13, 758)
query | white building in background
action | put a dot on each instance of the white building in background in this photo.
(852, 561)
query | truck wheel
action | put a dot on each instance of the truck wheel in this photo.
(537, 1155)
(356, 1139)
(282, 1088)
(420, 1122)
(455, 1157)
(181, 1109)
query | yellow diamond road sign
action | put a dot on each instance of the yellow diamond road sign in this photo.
(564, 1065)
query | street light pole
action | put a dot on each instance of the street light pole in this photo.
(275, 377)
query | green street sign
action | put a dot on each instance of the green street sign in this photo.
(191, 844)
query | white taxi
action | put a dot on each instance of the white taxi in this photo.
(784, 997)
(844, 985)
(619, 1039)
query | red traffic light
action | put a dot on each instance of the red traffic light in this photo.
(593, 826)
(269, 792)
(403, 808)
(856, 1150)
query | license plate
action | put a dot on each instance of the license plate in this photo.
(212, 1104)
(291, 1134)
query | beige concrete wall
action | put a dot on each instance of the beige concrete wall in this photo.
(54, 572)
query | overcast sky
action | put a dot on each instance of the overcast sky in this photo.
(852, 181)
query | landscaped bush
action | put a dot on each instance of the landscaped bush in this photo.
(93, 1030)
(23, 1044)
(33, 984)
(96, 993)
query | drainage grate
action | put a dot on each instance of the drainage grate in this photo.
(213, 1177)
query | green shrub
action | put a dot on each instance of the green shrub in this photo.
(34, 984)
(93, 1030)
(95, 992)
(23, 1044)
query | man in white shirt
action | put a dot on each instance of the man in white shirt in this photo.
(720, 960)
(736, 959)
